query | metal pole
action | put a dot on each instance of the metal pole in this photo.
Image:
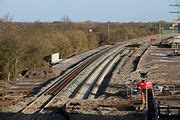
(108, 32)
(131, 91)
(160, 32)
(159, 112)
(174, 89)
(168, 111)
(146, 101)
(173, 31)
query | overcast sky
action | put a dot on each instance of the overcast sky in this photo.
(81, 10)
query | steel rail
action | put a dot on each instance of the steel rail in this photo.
(41, 101)
(80, 87)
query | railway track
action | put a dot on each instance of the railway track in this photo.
(68, 78)
(92, 82)
(38, 104)
(45, 98)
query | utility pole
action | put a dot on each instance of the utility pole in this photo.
(174, 30)
(160, 31)
(108, 30)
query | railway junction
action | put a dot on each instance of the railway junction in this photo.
(104, 83)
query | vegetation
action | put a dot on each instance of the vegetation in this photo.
(23, 45)
(167, 31)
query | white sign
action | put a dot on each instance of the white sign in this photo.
(55, 58)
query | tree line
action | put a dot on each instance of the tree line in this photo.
(23, 45)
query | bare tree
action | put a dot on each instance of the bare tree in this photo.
(7, 18)
(66, 23)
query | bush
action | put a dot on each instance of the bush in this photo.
(24, 45)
